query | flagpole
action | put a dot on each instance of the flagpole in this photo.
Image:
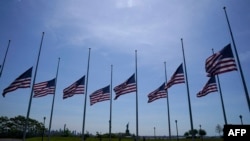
(110, 116)
(52, 107)
(238, 60)
(221, 98)
(4, 59)
(31, 92)
(85, 100)
(169, 128)
(136, 95)
(189, 104)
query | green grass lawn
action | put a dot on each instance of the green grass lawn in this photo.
(113, 139)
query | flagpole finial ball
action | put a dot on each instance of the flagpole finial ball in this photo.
(224, 7)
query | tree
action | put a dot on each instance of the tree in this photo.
(202, 133)
(194, 132)
(4, 124)
(186, 134)
(189, 133)
(13, 127)
(18, 123)
(66, 133)
(218, 129)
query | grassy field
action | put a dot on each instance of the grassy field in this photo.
(114, 139)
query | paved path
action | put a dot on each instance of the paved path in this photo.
(10, 139)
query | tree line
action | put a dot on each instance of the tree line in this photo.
(14, 127)
(200, 132)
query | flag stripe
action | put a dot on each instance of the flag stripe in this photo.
(126, 87)
(177, 78)
(210, 60)
(224, 65)
(208, 88)
(221, 62)
(44, 88)
(75, 88)
(100, 95)
(157, 94)
(23, 81)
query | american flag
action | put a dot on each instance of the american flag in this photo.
(221, 62)
(23, 81)
(157, 94)
(44, 88)
(100, 95)
(126, 87)
(208, 88)
(75, 88)
(178, 77)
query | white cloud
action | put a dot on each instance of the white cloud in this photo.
(125, 3)
(151, 29)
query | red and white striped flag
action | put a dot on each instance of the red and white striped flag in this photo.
(177, 77)
(100, 95)
(157, 94)
(221, 62)
(23, 81)
(208, 88)
(44, 88)
(126, 87)
(76, 88)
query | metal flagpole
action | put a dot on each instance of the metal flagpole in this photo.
(110, 116)
(136, 95)
(238, 60)
(4, 59)
(221, 98)
(85, 100)
(31, 93)
(169, 128)
(52, 107)
(186, 78)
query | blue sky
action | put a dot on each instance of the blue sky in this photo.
(113, 30)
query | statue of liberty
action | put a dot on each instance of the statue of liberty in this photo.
(127, 130)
